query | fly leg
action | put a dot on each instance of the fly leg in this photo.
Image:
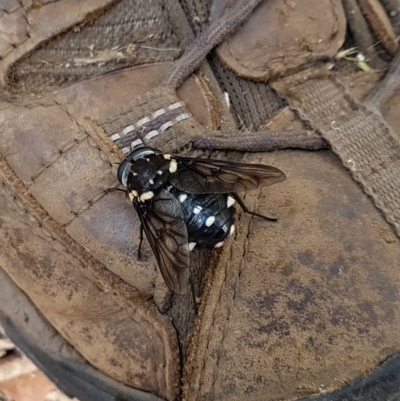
(139, 253)
(246, 210)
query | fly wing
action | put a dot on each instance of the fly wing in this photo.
(167, 234)
(199, 176)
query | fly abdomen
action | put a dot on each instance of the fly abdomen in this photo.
(209, 218)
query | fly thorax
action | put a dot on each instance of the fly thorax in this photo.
(146, 177)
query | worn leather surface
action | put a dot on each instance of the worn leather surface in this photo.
(290, 309)
(24, 28)
(310, 301)
(67, 241)
(51, 154)
(281, 36)
(51, 353)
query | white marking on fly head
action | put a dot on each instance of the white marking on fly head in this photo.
(197, 209)
(159, 172)
(146, 196)
(151, 181)
(173, 166)
(232, 229)
(128, 129)
(182, 197)
(219, 244)
(167, 156)
(210, 221)
(230, 201)
(132, 195)
(191, 246)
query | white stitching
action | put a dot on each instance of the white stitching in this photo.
(114, 137)
(182, 117)
(135, 143)
(158, 113)
(143, 121)
(151, 134)
(167, 125)
(128, 129)
(175, 106)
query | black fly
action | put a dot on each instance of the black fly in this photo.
(185, 202)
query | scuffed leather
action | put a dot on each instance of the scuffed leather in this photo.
(289, 309)
(282, 36)
(69, 241)
(51, 150)
(31, 27)
(296, 305)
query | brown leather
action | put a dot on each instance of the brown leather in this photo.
(60, 175)
(71, 243)
(307, 301)
(289, 308)
(280, 36)
(24, 28)
(296, 306)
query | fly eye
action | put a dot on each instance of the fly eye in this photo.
(123, 171)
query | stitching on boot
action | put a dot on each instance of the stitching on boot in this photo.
(97, 272)
(355, 125)
(13, 12)
(124, 295)
(94, 141)
(56, 157)
(140, 132)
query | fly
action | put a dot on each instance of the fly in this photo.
(184, 202)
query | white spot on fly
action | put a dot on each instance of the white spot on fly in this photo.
(182, 198)
(191, 245)
(173, 166)
(134, 174)
(132, 195)
(167, 156)
(210, 221)
(146, 196)
(151, 181)
(230, 201)
(197, 209)
(159, 172)
(219, 244)
(232, 229)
